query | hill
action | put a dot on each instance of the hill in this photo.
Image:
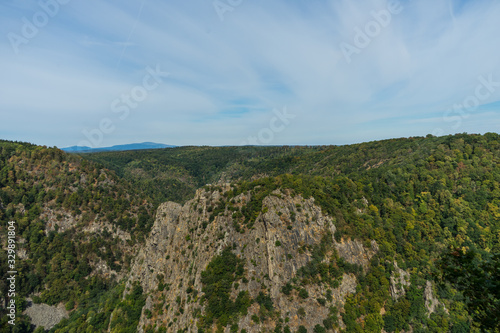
(77, 226)
(358, 238)
(132, 146)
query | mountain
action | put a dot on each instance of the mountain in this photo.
(388, 236)
(77, 227)
(132, 146)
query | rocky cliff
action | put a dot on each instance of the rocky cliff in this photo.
(274, 251)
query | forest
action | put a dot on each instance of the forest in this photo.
(432, 204)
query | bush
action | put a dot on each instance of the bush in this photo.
(287, 289)
(217, 280)
(265, 301)
(70, 305)
(319, 329)
(328, 323)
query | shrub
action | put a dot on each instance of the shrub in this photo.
(287, 289)
(319, 329)
(265, 301)
(218, 278)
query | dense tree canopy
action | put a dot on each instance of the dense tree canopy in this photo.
(416, 197)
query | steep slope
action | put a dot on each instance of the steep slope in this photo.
(175, 174)
(289, 233)
(414, 203)
(77, 224)
(329, 238)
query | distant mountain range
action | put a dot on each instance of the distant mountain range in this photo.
(131, 146)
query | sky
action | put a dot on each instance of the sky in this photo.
(235, 72)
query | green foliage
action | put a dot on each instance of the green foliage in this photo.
(94, 310)
(476, 275)
(265, 301)
(217, 280)
(287, 289)
(398, 316)
(37, 182)
(319, 329)
(330, 322)
(302, 329)
(303, 293)
(414, 197)
(128, 312)
(174, 174)
(317, 270)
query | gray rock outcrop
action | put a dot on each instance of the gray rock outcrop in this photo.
(184, 240)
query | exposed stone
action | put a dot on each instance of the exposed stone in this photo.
(431, 301)
(45, 315)
(60, 218)
(399, 280)
(354, 252)
(183, 241)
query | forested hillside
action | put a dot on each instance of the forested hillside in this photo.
(431, 205)
(71, 217)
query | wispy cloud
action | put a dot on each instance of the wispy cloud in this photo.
(227, 76)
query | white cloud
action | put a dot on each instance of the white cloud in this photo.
(264, 55)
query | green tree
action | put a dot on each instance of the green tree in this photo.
(477, 276)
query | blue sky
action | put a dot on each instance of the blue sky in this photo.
(340, 71)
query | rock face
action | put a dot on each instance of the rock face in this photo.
(399, 280)
(431, 301)
(184, 239)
